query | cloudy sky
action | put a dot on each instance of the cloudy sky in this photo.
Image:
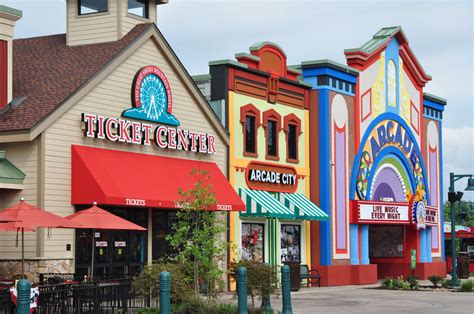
(439, 32)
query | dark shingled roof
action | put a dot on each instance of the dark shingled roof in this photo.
(47, 72)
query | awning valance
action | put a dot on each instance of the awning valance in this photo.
(10, 176)
(303, 207)
(263, 204)
(111, 177)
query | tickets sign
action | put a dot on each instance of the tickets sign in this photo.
(367, 212)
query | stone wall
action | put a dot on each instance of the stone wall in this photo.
(33, 267)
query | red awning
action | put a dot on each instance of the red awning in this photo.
(111, 177)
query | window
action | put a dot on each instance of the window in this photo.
(272, 138)
(252, 242)
(138, 7)
(250, 134)
(272, 125)
(250, 120)
(290, 243)
(292, 138)
(92, 6)
(292, 128)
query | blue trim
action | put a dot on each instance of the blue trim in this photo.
(373, 124)
(441, 193)
(422, 233)
(428, 245)
(354, 232)
(364, 245)
(392, 152)
(319, 87)
(331, 72)
(432, 104)
(325, 183)
(392, 53)
(431, 117)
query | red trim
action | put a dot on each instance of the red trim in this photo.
(3, 73)
(340, 130)
(369, 91)
(294, 120)
(118, 178)
(357, 117)
(250, 110)
(413, 107)
(272, 115)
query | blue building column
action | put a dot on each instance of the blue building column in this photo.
(354, 233)
(364, 244)
(422, 233)
(428, 245)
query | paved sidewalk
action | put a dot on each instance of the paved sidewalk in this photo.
(366, 299)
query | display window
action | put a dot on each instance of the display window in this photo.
(253, 241)
(290, 243)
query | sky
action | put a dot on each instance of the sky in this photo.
(440, 33)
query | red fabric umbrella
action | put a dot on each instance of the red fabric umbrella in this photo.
(27, 217)
(97, 218)
(6, 218)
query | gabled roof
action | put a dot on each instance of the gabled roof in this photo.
(48, 74)
(361, 56)
(46, 71)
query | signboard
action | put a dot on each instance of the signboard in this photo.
(419, 214)
(271, 177)
(368, 212)
(151, 102)
(432, 216)
(413, 259)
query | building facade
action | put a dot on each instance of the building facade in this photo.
(376, 167)
(107, 115)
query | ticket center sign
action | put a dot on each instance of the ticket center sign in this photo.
(366, 212)
(270, 177)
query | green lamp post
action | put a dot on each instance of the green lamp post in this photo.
(454, 197)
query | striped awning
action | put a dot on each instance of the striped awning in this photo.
(263, 204)
(302, 207)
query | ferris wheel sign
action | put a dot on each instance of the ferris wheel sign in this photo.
(152, 102)
(151, 97)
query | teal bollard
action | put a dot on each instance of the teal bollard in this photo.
(165, 292)
(266, 304)
(23, 297)
(242, 290)
(286, 289)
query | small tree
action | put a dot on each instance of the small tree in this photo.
(197, 234)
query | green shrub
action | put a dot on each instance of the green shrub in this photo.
(262, 278)
(388, 283)
(413, 282)
(147, 283)
(435, 280)
(446, 283)
(466, 286)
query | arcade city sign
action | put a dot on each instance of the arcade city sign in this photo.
(271, 177)
(151, 102)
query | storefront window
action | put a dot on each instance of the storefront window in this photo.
(252, 242)
(162, 226)
(138, 7)
(386, 241)
(250, 134)
(92, 6)
(290, 243)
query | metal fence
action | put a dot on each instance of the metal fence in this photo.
(109, 296)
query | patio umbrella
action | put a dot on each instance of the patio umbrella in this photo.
(97, 218)
(6, 218)
(28, 218)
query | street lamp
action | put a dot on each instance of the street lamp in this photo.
(454, 197)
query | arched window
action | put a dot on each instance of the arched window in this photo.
(292, 128)
(250, 119)
(272, 125)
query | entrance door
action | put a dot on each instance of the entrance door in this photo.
(387, 250)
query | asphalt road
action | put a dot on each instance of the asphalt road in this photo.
(354, 299)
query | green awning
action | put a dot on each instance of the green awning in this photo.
(302, 207)
(263, 204)
(10, 176)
